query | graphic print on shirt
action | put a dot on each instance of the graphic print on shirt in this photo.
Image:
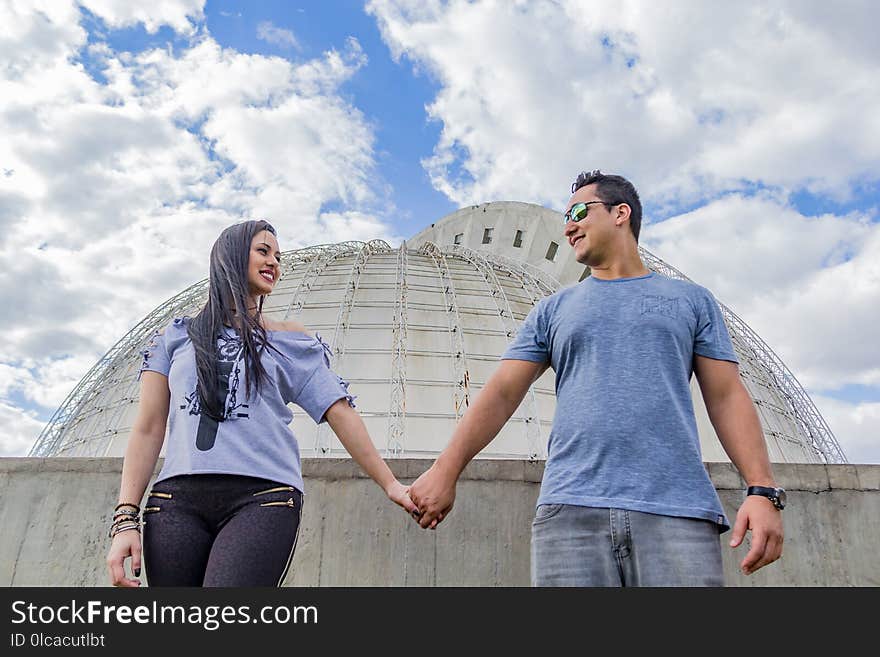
(667, 306)
(230, 369)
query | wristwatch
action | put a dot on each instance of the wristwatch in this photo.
(775, 495)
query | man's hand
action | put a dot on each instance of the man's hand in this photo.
(434, 494)
(765, 521)
(434, 491)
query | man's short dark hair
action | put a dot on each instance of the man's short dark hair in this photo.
(613, 190)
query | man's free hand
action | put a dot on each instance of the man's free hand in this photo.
(765, 522)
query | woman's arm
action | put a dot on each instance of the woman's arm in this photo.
(351, 431)
(141, 454)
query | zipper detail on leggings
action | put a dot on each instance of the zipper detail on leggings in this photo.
(277, 489)
(152, 509)
(289, 503)
(164, 496)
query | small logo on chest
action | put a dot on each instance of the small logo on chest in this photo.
(667, 306)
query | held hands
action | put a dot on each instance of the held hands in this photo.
(434, 493)
(399, 494)
(127, 543)
(760, 516)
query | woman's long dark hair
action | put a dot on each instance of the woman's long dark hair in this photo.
(228, 293)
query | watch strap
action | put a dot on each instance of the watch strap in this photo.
(766, 491)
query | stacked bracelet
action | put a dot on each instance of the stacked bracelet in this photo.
(124, 526)
(126, 516)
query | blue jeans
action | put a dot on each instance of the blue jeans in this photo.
(585, 546)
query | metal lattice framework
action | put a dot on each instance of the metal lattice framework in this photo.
(95, 425)
(319, 258)
(461, 392)
(801, 408)
(96, 416)
(541, 283)
(531, 422)
(337, 342)
(397, 405)
(105, 372)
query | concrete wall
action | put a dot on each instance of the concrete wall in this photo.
(54, 514)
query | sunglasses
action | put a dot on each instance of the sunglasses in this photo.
(579, 211)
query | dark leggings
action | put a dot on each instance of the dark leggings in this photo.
(220, 530)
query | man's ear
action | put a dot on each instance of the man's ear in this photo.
(623, 214)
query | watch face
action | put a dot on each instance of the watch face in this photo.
(780, 496)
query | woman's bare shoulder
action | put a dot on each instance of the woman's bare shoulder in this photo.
(288, 325)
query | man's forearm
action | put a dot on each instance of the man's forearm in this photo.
(736, 422)
(480, 424)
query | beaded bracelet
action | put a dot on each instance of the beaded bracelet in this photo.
(123, 526)
(119, 531)
(134, 519)
(126, 523)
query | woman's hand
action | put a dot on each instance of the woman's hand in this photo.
(399, 494)
(125, 544)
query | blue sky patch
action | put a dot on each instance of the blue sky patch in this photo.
(865, 199)
(854, 393)
(391, 96)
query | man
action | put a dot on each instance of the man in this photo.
(625, 499)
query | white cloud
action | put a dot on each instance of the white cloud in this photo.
(289, 140)
(855, 426)
(180, 15)
(698, 104)
(686, 99)
(343, 227)
(809, 286)
(276, 35)
(114, 190)
(46, 382)
(12, 378)
(18, 430)
(37, 34)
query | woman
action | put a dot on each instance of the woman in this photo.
(225, 509)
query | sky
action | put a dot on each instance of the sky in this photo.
(131, 134)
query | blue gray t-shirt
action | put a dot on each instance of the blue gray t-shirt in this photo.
(255, 438)
(624, 433)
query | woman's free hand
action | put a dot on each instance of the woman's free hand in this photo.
(125, 544)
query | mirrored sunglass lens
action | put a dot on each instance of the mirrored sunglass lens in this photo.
(579, 211)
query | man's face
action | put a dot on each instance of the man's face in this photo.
(591, 236)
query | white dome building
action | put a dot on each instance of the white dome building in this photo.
(417, 330)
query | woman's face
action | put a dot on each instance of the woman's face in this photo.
(264, 266)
